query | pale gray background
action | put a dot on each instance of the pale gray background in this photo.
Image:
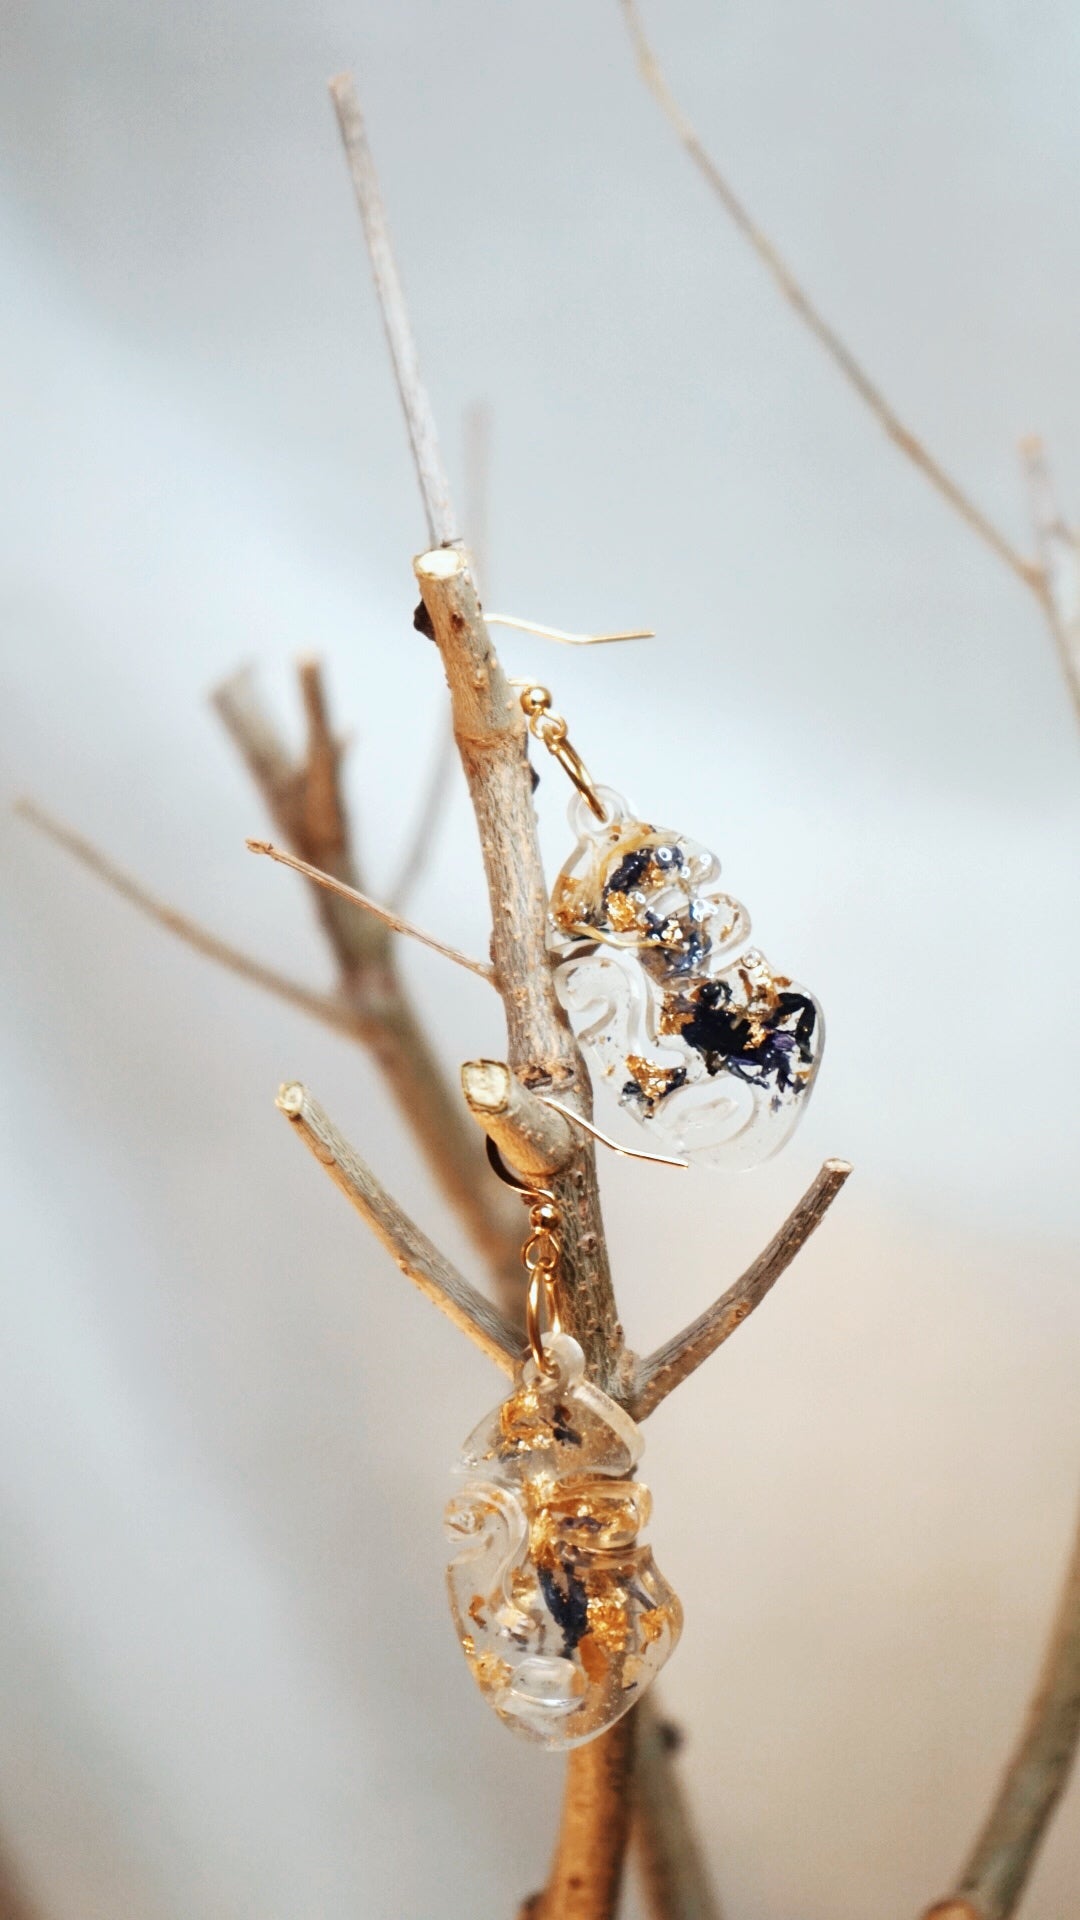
(227, 1684)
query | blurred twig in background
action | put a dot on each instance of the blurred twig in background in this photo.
(1042, 575)
(305, 802)
(1059, 561)
(15, 1902)
(993, 1879)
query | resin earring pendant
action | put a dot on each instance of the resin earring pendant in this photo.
(701, 1041)
(560, 1609)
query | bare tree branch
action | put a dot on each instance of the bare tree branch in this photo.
(418, 418)
(990, 1886)
(384, 1019)
(358, 899)
(679, 1357)
(444, 759)
(840, 354)
(417, 1257)
(532, 1138)
(15, 1900)
(306, 804)
(328, 1008)
(1059, 555)
(674, 1878)
(586, 1872)
(490, 731)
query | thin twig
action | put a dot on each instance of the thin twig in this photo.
(417, 1257)
(679, 1357)
(1004, 1853)
(1059, 556)
(418, 417)
(840, 355)
(307, 805)
(389, 919)
(670, 1864)
(384, 1018)
(444, 759)
(15, 1901)
(326, 1007)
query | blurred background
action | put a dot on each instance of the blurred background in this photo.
(228, 1683)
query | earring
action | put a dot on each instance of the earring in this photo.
(700, 1040)
(560, 1609)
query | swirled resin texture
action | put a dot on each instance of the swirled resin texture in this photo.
(560, 1609)
(699, 1038)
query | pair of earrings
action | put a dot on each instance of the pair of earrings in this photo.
(560, 1609)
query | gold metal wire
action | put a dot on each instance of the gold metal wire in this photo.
(578, 1120)
(542, 1252)
(566, 639)
(540, 1256)
(550, 728)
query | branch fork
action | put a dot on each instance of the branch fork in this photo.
(540, 1143)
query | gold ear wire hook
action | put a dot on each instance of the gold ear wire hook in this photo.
(550, 729)
(540, 1256)
(628, 1153)
(567, 639)
(542, 1252)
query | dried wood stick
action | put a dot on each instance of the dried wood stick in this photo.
(678, 1358)
(490, 731)
(1059, 556)
(417, 1257)
(586, 1872)
(328, 1008)
(384, 1018)
(15, 1901)
(477, 495)
(533, 1139)
(990, 1886)
(306, 803)
(840, 354)
(674, 1879)
(357, 899)
(418, 417)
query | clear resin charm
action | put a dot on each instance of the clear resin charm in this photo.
(560, 1609)
(700, 1039)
